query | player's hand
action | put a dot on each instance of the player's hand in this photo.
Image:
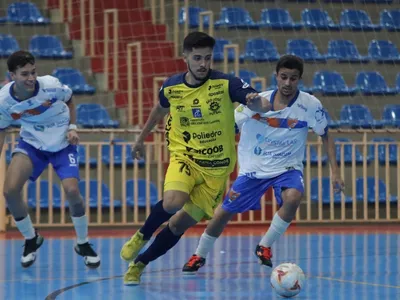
(337, 183)
(73, 137)
(138, 150)
(258, 103)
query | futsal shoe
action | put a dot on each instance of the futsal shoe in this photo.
(130, 250)
(193, 265)
(135, 270)
(91, 259)
(30, 247)
(264, 255)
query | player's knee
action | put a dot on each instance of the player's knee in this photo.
(292, 197)
(177, 228)
(11, 192)
(174, 201)
(72, 191)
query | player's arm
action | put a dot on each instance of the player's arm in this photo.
(243, 93)
(5, 122)
(72, 111)
(3, 134)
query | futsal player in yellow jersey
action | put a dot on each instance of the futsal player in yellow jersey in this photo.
(200, 134)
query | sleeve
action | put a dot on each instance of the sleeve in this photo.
(242, 114)
(238, 89)
(164, 102)
(318, 121)
(5, 118)
(62, 91)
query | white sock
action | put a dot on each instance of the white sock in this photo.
(81, 229)
(277, 228)
(205, 245)
(26, 228)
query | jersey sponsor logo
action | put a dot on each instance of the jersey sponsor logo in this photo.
(185, 122)
(197, 113)
(207, 151)
(205, 163)
(245, 84)
(214, 108)
(302, 107)
(180, 108)
(186, 136)
(281, 122)
(212, 94)
(215, 86)
(319, 114)
(196, 101)
(233, 195)
(207, 137)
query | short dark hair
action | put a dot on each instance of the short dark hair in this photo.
(290, 62)
(19, 59)
(198, 39)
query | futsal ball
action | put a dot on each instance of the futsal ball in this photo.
(287, 279)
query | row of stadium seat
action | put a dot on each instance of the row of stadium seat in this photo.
(141, 184)
(41, 46)
(371, 187)
(25, 13)
(93, 195)
(264, 50)
(331, 83)
(280, 19)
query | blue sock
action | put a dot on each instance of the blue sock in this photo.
(156, 218)
(164, 241)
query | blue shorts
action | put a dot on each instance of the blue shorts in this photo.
(246, 192)
(65, 161)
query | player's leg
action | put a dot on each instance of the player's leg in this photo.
(27, 163)
(179, 182)
(164, 241)
(289, 189)
(243, 196)
(65, 163)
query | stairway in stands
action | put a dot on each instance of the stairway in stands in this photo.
(134, 25)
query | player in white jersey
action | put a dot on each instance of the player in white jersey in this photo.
(48, 134)
(271, 151)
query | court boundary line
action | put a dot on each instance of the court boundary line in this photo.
(356, 282)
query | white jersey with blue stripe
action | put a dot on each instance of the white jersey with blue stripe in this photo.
(44, 117)
(274, 142)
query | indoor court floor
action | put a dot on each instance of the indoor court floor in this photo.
(340, 264)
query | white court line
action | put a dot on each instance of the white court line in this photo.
(357, 282)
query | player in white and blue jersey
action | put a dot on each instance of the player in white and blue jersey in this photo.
(271, 151)
(46, 112)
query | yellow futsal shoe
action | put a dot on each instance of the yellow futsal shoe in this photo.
(131, 248)
(132, 276)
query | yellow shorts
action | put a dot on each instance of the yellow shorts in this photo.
(205, 191)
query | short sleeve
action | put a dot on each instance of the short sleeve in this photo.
(318, 122)
(5, 119)
(55, 88)
(238, 89)
(164, 102)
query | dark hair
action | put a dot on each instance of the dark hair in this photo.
(19, 59)
(290, 62)
(198, 39)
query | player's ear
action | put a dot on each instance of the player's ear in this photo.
(12, 76)
(185, 56)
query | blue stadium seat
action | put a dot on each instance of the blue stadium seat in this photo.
(371, 187)
(344, 51)
(331, 123)
(74, 79)
(247, 76)
(82, 157)
(358, 116)
(357, 20)
(305, 49)
(278, 18)
(48, 46)
(260, 50)
(348, 151)
(383, 52)
(44, 194)
(105, 194)
(390, 19)
(391, 114)
(373, 83)
(193, 17)
(218, 53)
(235, 17)
(318, 19)
(314, 156)
(118, 153)
(273, 85)
(326, 191)
(92, 115)
(141, 184)
(24, 13)
(382, 150)
(8, 45)
(332, 83)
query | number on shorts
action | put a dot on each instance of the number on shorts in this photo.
(72, 159)
(184, 167)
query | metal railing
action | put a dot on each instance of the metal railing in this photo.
(121, 208)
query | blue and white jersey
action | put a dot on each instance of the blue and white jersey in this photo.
(44, 117)
(274, 142)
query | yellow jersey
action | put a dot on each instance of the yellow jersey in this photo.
(201, 123)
